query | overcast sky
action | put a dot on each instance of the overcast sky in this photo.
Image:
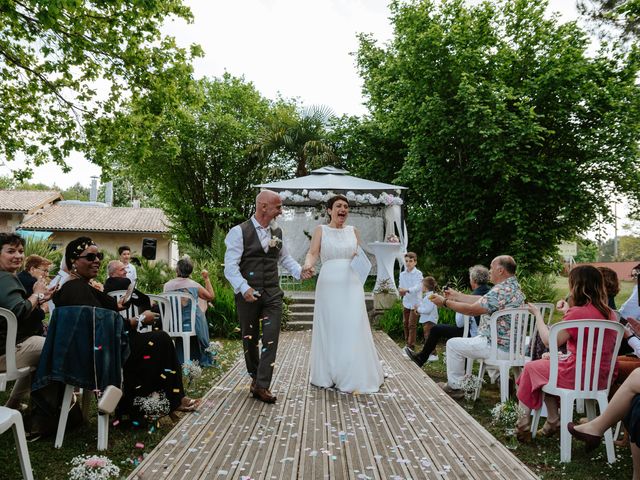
(295, 48)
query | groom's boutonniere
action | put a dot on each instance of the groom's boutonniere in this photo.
(275, 242)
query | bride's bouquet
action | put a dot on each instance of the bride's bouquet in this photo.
(94, 467)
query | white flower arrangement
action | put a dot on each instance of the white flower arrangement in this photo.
(192, 371)
(384, 198)
(154, 407)
(214, 348)
(469, 385)
(94, 467)
(506, 414)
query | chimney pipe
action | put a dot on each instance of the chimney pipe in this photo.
(93, 193)
(108, 193)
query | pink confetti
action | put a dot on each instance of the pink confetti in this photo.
(139, 445)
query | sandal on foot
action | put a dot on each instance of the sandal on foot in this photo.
(188, 404)
(523, 433)
(549, 429)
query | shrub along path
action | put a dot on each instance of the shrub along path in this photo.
(410, 429)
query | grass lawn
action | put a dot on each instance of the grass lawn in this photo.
(53, 464)
(542, 455)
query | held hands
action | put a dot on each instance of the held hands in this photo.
(451, 294)
(402, 291)
(307, 272)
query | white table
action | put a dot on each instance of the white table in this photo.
(386, 254)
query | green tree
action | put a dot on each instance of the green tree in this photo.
(63, 61)
(296, 139)
(514, 136)
(192, 148)
(587, 251)
(621, 15)
(75, 192)
(628, 249)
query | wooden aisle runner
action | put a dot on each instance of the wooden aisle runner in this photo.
(408, 430)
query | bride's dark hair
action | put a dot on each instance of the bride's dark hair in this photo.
(334, 199)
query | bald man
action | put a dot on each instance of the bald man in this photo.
(506, 293)
(254, 250)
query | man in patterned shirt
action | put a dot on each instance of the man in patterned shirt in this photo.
(506, 293)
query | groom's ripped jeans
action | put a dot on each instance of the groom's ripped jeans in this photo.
(260, 359)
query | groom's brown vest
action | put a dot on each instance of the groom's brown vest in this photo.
(260, 269)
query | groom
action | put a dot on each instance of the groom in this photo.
(254, 249)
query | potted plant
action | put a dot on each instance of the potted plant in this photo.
(384, 295)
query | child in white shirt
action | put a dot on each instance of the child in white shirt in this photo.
(409, 288)
(427, 309)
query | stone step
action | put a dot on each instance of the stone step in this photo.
(301, 307)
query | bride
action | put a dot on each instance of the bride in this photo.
(342, 351)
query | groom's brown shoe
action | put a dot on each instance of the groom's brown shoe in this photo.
(264, 395)
(253, 385)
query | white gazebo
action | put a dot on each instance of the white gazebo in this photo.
(375, 210)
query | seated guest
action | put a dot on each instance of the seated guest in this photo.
(152, 365)
(26, 308)
(630, 347)
(587, 300)
(117, 280)
(611, 285)
(36, 268)
(478, 278)
(625, 405)
(506, 293)
(202, 295)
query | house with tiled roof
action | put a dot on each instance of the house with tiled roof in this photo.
(15, 205)
(109, 227)
(44, 214)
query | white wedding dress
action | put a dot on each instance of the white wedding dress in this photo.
(343, 355)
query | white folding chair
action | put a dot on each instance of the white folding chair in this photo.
(519, 321)
(173, 323)
(12, 371)
(590, 339)
(10, 418)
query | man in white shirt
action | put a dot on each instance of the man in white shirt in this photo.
(254, 250)
(125, 257)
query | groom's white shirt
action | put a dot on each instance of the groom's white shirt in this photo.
(235, 248)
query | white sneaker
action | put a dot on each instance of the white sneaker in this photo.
(433, 358)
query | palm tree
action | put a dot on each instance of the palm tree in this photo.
(296, 138)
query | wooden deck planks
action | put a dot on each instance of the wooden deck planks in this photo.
(408, 430)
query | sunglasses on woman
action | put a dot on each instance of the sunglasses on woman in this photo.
(91, 257)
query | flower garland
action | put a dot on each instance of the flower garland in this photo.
(384, 198)
(93, 467)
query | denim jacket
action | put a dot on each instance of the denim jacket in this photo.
(78, 336)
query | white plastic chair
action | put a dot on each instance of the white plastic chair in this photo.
(546, 309)
(10, 418)
(12, 371)
(467, 325)
(103, 417)
(131, 311)
(591, 335)
(520, 319)
(164, 308)
(172, 324)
